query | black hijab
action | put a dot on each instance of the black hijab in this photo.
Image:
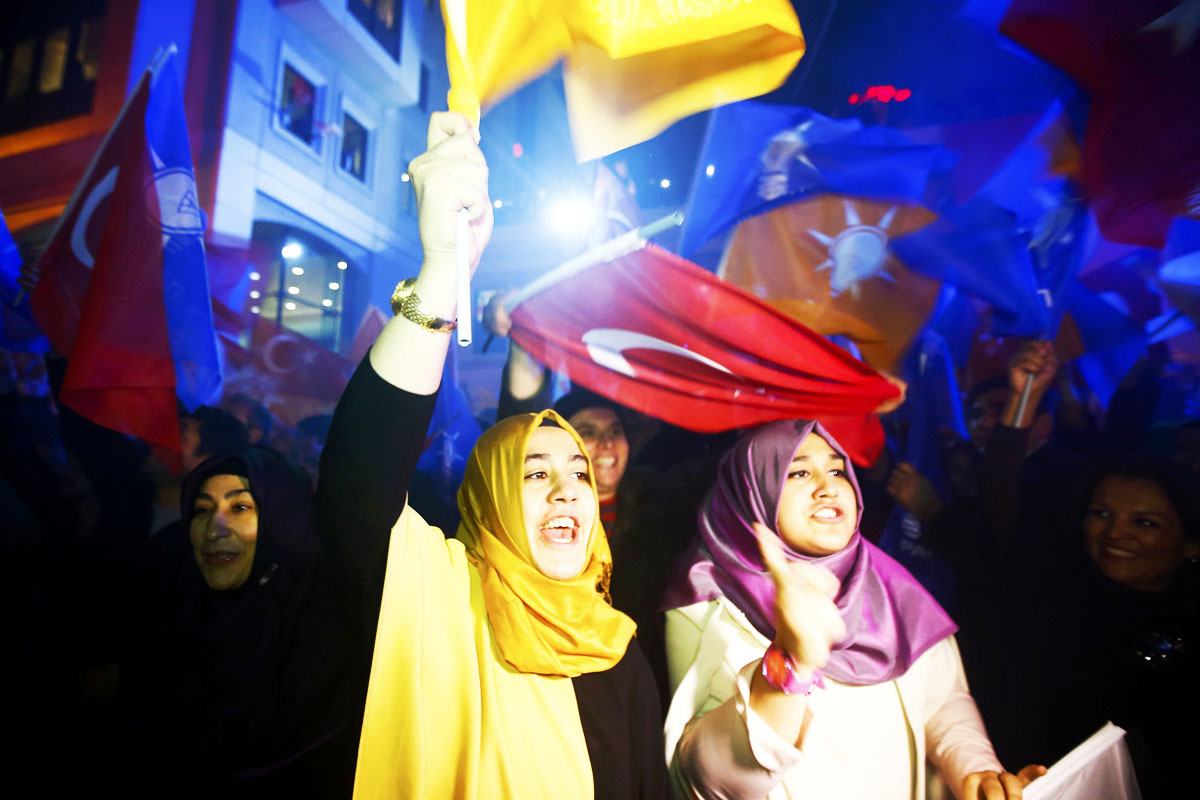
(238, 683)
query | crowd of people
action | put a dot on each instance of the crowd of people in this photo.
(620, 613)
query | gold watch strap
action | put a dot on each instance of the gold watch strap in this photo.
(407, 304)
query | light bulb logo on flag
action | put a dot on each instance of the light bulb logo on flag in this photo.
(858, 253)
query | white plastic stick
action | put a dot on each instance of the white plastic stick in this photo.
(462, 258)
(1024, 403)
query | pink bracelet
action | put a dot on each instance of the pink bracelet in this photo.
(779, 670)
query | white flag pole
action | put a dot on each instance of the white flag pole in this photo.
(462, 258)
(601, 253)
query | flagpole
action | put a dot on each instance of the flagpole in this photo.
(462, 263)
(607, 251)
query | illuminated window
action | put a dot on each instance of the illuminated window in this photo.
(297, 106)
(20, 71)
(304, 302)
(87, 50)
(354, 147)
(381, 18)
(54, 60)
(49, 61)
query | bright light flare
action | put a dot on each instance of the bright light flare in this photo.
(570, 214)
(292, 250)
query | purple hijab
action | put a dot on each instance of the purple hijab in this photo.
(890, 618)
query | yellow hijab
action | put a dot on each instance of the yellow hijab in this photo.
(542, 625)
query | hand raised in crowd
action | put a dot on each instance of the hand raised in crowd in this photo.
(807, 622)
(1036, 358)
(451, 174)
(1035, 361)
(495, 316)
(908, 487)
(990, 785)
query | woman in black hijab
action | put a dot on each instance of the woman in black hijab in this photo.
(240, 679)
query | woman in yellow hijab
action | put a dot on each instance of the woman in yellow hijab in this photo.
(499, 668)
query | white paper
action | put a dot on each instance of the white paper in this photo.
(1098, 769)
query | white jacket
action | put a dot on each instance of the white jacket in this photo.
(867, 742)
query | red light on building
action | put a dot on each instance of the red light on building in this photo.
(885, 93)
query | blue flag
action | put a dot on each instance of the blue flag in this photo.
(977, 248)
(193, 339)
(18, 331)
(933, 409)
(450, 439)
(763, 156)
(1112, 341)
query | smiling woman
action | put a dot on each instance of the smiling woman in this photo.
(224, 530)
(805, 661)
(240, 681)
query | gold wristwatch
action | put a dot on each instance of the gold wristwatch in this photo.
(405, 303)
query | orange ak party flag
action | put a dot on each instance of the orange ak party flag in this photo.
(825, 262)
(632, 68)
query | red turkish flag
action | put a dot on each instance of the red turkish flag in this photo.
(1139, 60)
(659, 334)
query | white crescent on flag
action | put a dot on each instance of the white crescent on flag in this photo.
(606, 347)
(101, 190)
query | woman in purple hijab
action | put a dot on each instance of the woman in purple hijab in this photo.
(804, 661)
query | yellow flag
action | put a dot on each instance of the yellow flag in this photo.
(633, 67)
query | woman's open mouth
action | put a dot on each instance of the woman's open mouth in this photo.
(828, 513)
(559, 531)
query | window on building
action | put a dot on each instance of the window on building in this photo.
(49, 61)
(87, 51)
(297, 106)
(381, 18)
(20, 71)
(302, 285)
(354, 147)
(423, 88)
(54, 60)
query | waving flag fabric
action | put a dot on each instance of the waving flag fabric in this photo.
(123, 289)
(932, 409)
(1139, 60)
(825, 262)
(18, 331)
(667, 338)
(631, 68)
(977, 248)
(764, 156)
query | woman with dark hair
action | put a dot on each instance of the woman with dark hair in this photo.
(240, 678)
(1113, 632)
(806, 662)
(499, 667)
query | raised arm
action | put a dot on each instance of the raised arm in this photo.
(450, 175)
(744, 747)
(378, 430)
(524, 383)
